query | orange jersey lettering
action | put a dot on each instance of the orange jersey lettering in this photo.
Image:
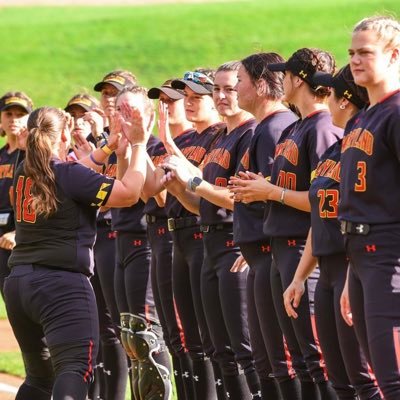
(222, 157)
(6, 171)
(289, 150)
(359, 138)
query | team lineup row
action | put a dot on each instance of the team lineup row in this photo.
(250, 248)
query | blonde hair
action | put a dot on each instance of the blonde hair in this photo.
(386, 28)
(45, 126)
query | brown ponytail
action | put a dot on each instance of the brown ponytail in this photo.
(45, 126)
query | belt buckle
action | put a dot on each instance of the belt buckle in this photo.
(205, 228)
(343, 226)
(171, 224)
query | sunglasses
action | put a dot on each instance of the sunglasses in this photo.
(197, 77)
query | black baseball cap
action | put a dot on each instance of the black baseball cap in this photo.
(303, 69)
(342, 87)
(15, 100)
(83, 101)
(118, 79)
(166, 88)
(197, 81)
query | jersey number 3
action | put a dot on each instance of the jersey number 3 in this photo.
(23, 200)
(361, 184)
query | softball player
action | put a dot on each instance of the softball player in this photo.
(347, 367)
(186, 234)
(141, 329)
(260, 92)
(223, 293)
(55, 211)
(14, 110)
(369, 214)
(111, 370)
(287, 218)
(160, 241)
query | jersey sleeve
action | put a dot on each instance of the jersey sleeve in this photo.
(392, 132)
(84, 185)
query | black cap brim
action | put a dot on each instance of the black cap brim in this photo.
(323, 79)
(84, 106)
(16, 104)
(197, 88)
(99, 86)
(154, 93)
(277, 67)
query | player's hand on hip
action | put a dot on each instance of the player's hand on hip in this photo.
(7, 241)
(239, 265)
(292, 297)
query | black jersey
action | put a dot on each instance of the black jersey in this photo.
(158, 153)
(194, 147)
(220, 163)
(296, 157)
(248, 218)
(131, 219)
(370, 173)
(8, 165)
(324, 198)
(65, 239)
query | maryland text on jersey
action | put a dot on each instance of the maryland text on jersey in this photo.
(194, 153)
(220, 156)
(6, 171)
(328, 168)
(359, 138)
(289, 150)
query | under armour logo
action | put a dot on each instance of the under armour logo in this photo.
(196, 378)
(107, 372)
(112, 235)
(198, 235)
(257, 395)
(175, 372)
(185, 374)
(291, 243)
(302, 74)
(137, 242)
(230, 243)
(371, 248)
(218, 382)
(161, 231)
(347, 94)
(360, 228)
(266, 249)
(228, 395)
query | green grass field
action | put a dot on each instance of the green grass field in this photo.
(53, 52)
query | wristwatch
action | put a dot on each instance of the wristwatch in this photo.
(193, 183)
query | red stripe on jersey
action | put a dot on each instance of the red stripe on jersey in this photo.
(321, 357)
(90, 362)
(180, 327)
(396, 342)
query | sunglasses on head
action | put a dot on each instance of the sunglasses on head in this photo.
(197, 77)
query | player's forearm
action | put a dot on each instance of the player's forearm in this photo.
(307, 262)
(220, 196)
(152, 185)
(291, 198)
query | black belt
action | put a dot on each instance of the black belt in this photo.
(212, 228)
(180, 223)
(354, 228)
(151, 219)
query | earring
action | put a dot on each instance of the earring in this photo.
(342, 106)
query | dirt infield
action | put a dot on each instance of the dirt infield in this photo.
(20, 3)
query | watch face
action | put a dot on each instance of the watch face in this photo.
(197, 180)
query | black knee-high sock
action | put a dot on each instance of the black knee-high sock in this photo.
(236, 387)
(27, 392)
(69, 386)
(326, 391)
(203, 379)
(115, 371)
(219, 383)
(309, 391)
(269, 389)
(177, 372)
(290, 389)
(253, 384)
